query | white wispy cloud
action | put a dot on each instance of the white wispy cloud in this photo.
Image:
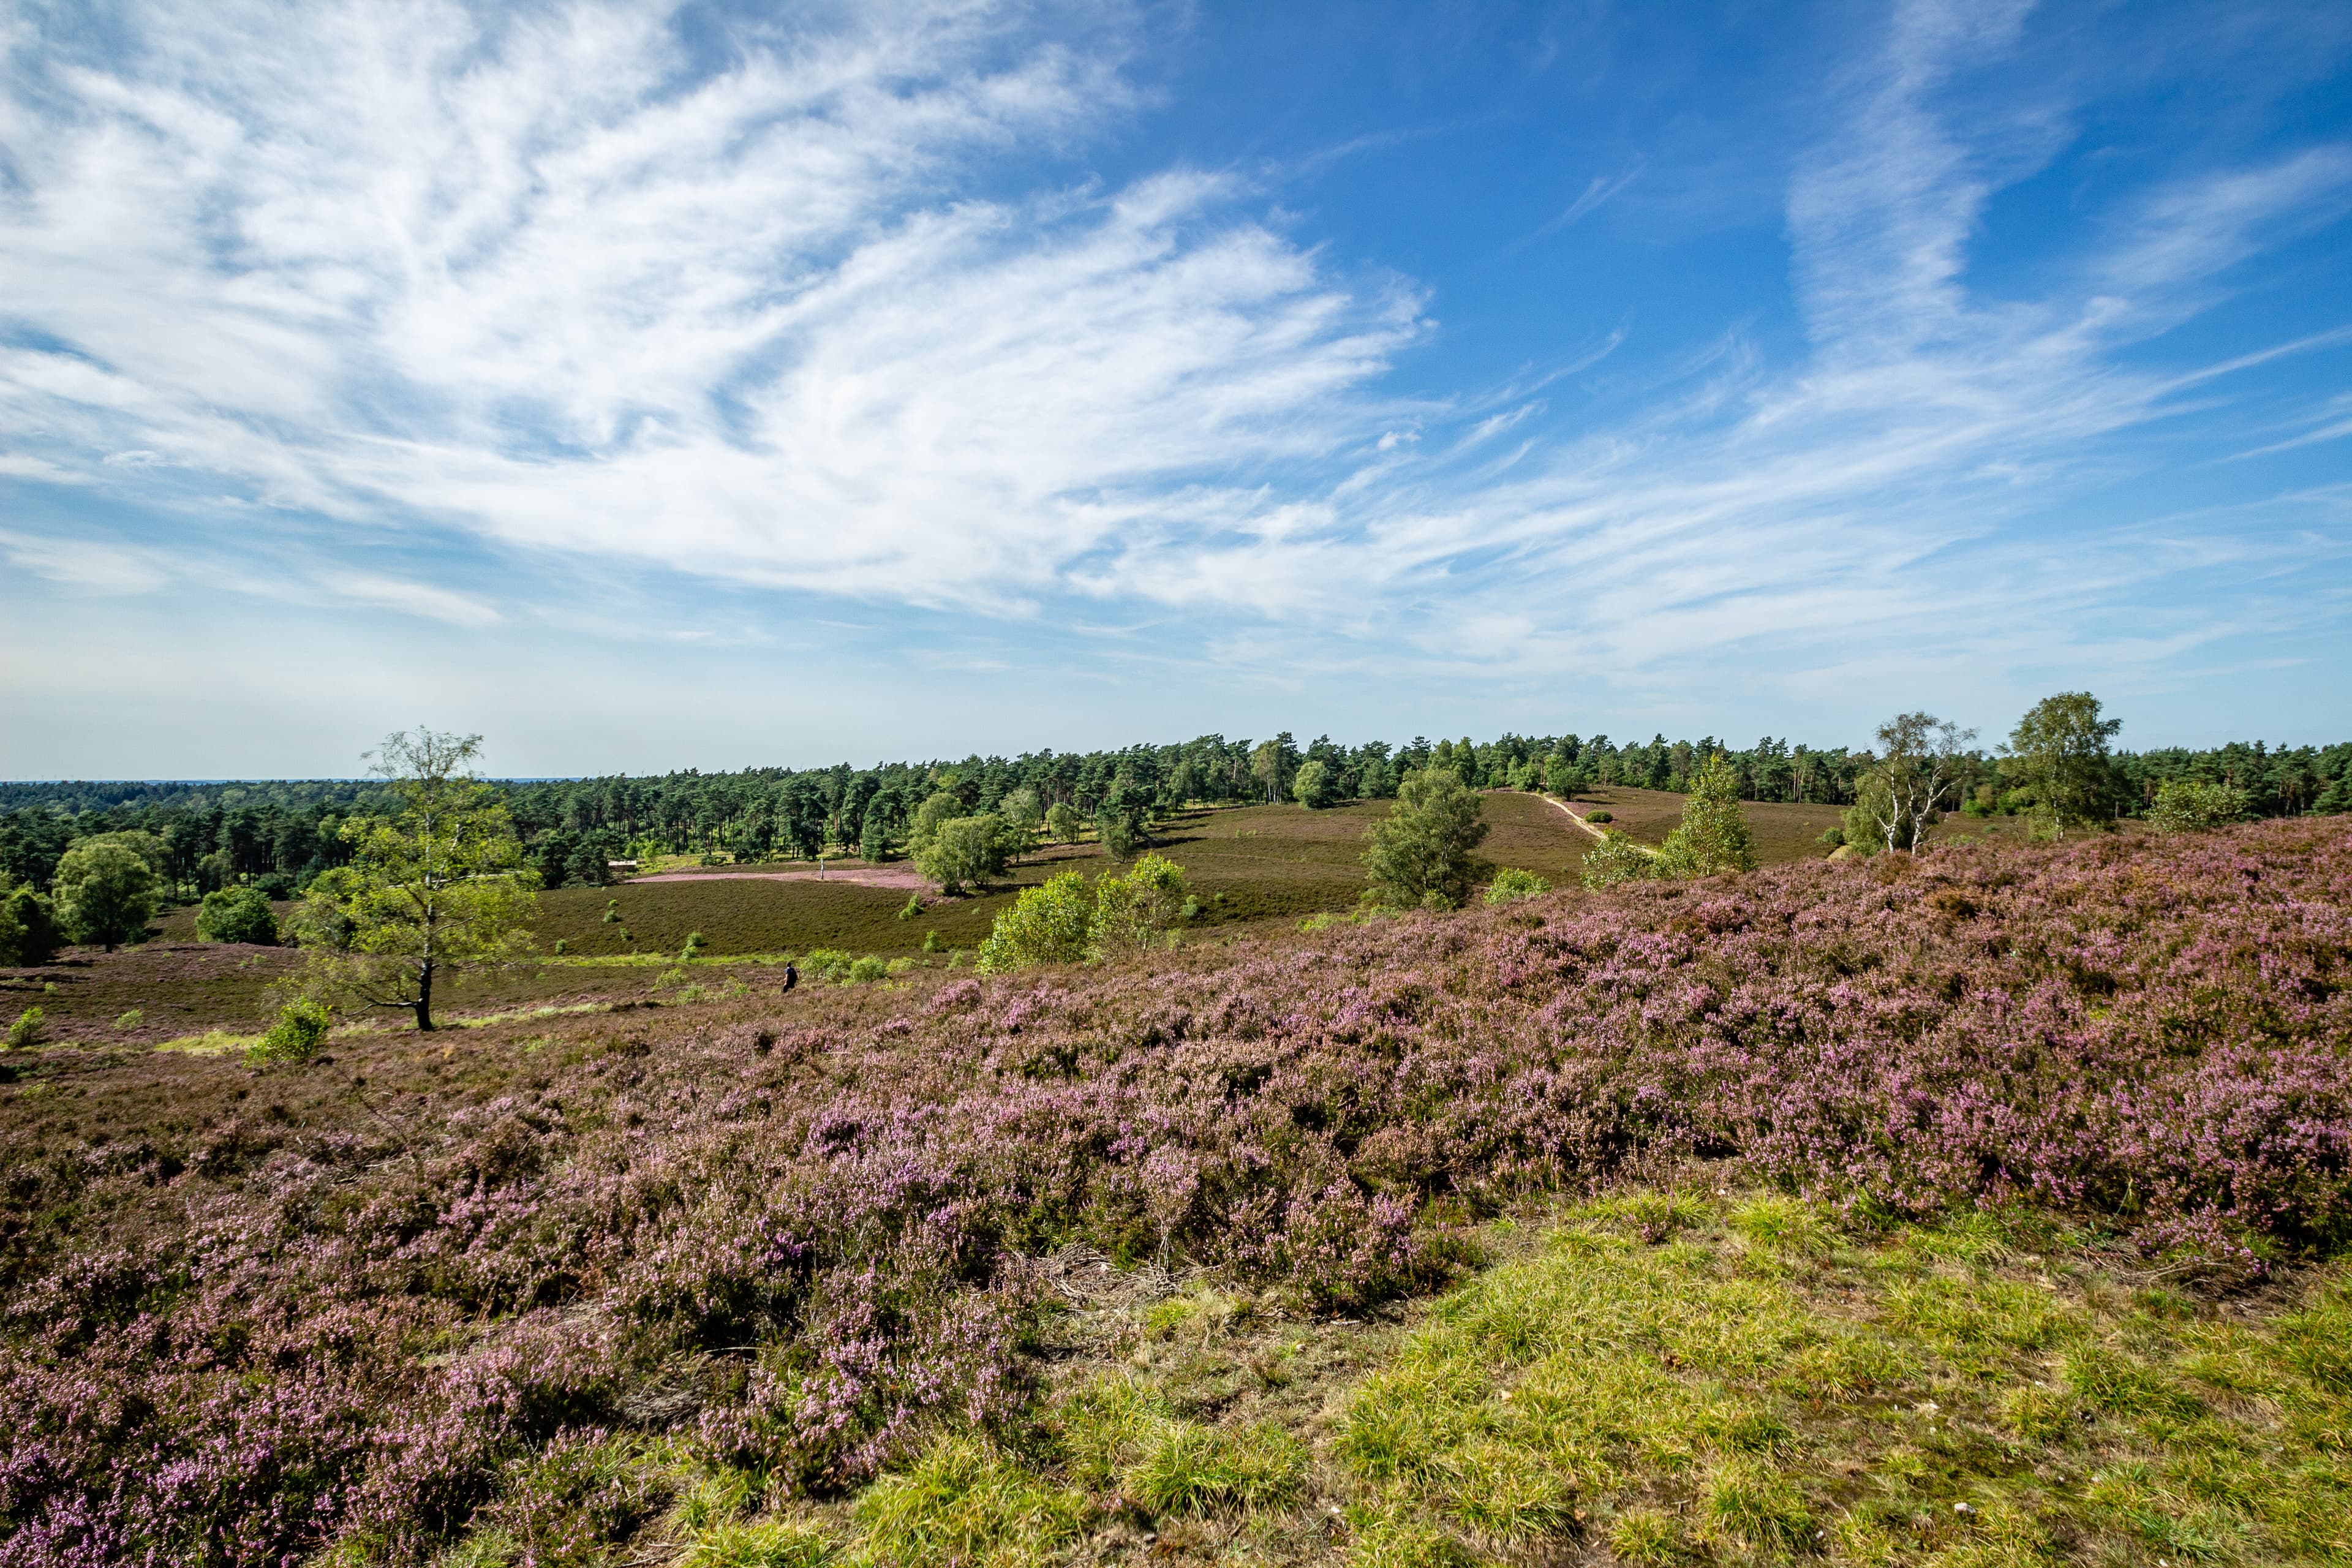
(81, 564)
(533, 279)
(426, 599)
(541, 278)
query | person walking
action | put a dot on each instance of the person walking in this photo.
(792, 978)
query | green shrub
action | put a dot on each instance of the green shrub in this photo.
(1119, 833)
(1833, 836)
(1512, 883)
(2191, 805)
(1424, 845)
(914, 906)
(1132, 912)
(27, 1030)
(866, 969)
(131, 1019)
(825, 963)
(300, 1029)
(30, 933)
(237, 914)
(1054, 923)
(693, 947)
(1602, 815)
(1617, 859)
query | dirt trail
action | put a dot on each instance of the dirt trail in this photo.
(1599, 833)
(900, 878)
(1576, 819)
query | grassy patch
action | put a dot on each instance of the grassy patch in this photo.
(1739, 1382)
(1663, 1379)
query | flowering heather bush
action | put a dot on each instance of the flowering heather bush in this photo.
(246, 1314)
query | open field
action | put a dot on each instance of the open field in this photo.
(1249, 867)
(1247, 863)
(1986, 1208)
(1783, 830)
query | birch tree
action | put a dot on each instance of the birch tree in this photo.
(1920, 758)
(438, 884)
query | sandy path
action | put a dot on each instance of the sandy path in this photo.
(901, 878)
(1598, 833)
(1576, 819)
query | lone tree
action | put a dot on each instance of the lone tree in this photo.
(1421, 854)
(105, 891)
(1920, 759)
(438, 884)
(1713, 839)
(1023, 816)
(961, 850)
(2058, 754)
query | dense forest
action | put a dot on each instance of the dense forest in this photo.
(278, 834)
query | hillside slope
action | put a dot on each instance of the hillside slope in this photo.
(252, 1312)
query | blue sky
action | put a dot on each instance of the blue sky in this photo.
(652, 387)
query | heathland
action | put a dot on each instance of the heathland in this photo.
(1978, 1205)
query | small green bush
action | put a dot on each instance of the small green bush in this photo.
(237, 914)
(1120, 833)
(694, 945)
(2191, 805)
(1833, 836)
(866, 969)
(914, 906)
(131, 1020)
(300, 1029)
(1050, 924)
(1600, 817)
(826, 963)
(27, 1030)
(1133, 912)
(1512, 883)
(29, 933)
(1617, 859)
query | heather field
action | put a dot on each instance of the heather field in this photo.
(1977, 1208)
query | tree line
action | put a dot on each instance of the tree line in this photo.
(277, 837)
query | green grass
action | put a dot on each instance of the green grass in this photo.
(1665, 1379)
(1745, 1384)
